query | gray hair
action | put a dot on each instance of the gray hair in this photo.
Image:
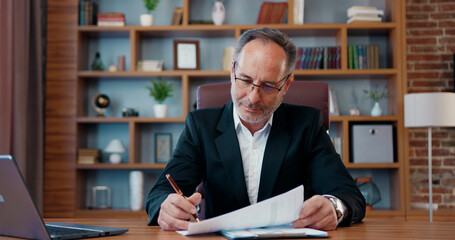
(269, 34)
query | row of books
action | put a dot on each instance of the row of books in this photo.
(364, 13)
(87, 13)
(272, 13)
(111, 19)
(318, 58)
(363, 56)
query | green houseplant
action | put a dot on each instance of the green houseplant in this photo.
(160, 90)
(375, 95)
(147, 19)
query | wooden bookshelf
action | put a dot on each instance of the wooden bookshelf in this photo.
(68, 83)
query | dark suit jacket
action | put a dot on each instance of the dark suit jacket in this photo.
(298, 151)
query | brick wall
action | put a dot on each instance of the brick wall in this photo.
(430, 47)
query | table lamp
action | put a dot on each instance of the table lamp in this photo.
(429, 110)
(115, 148)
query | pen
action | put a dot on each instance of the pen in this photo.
(177, 190)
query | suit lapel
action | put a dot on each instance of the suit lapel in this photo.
(229, 150)
(275, 152)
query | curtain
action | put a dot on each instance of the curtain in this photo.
(21, 88)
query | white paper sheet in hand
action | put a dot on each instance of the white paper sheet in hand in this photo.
(281, 209)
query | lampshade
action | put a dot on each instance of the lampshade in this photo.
(435, 109)
(115, 146)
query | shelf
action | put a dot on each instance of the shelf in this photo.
(166, 73)
(372, 165)
(363, 118)
(104, 166)
(130, 120)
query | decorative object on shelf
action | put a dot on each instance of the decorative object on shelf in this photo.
(136, 190)
(354, 112)
(369, 191)
(100, 102)
(147, 19)
(429, 110)
(130, 112)
(97, 64)
(163, 147)
(150, 65)
(160, 91)
(333, 104)
(101, 197)
(186, 55)
(111, 20)
(115, 148)
(88, 156)
(218, 13)
(121, 63)
(112, 68)
(177, 16)
(375, 95)
(364, 14)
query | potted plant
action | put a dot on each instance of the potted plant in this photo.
(160, 90)
(147, 19)
(375, 95)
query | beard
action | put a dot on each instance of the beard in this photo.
(267, 111)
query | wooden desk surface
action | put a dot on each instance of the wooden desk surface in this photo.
(138, 229)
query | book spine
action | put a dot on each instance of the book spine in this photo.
(355, 56)
(82, 13)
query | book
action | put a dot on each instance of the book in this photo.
(228, 57)
(109, 19)
(299, 6)
(272, 12)
(363, 19)
(369, 13)
(355, 9)
(87, 13)
(177, 16)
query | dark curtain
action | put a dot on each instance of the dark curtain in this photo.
(22, 88)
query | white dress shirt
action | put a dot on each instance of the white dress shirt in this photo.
(252, 149)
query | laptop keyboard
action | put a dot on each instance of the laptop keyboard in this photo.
(60, 231)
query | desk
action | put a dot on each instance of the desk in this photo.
(138, 229)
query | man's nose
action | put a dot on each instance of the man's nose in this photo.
(255, 94)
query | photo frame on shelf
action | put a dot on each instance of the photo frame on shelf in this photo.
(333, 104)
(186, 55)
(163, 147)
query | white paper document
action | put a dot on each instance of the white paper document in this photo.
(281, 209)
(282, 231)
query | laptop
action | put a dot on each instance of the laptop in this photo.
(19, 216)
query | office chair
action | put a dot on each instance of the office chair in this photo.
(307, 93)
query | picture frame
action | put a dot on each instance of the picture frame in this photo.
(163, 147)
(186, 55)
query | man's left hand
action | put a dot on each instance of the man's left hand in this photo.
(318, 213)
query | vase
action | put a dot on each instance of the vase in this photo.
(146, 20)
(376, 110)
(218, 13)
(136, 190)
(160, 110)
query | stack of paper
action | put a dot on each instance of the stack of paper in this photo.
(361, 13)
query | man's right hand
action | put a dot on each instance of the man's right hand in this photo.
(176, 210)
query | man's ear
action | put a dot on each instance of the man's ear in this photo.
(288, 83)
(232, 70)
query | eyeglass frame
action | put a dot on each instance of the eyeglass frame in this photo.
(260, 86)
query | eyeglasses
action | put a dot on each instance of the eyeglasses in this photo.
(267, 89)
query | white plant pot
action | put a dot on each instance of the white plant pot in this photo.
(376, 111)
(146, 20)
(136, 190)
(218, 13)
(160, 110)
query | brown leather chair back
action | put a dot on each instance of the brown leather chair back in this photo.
(306, 93)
